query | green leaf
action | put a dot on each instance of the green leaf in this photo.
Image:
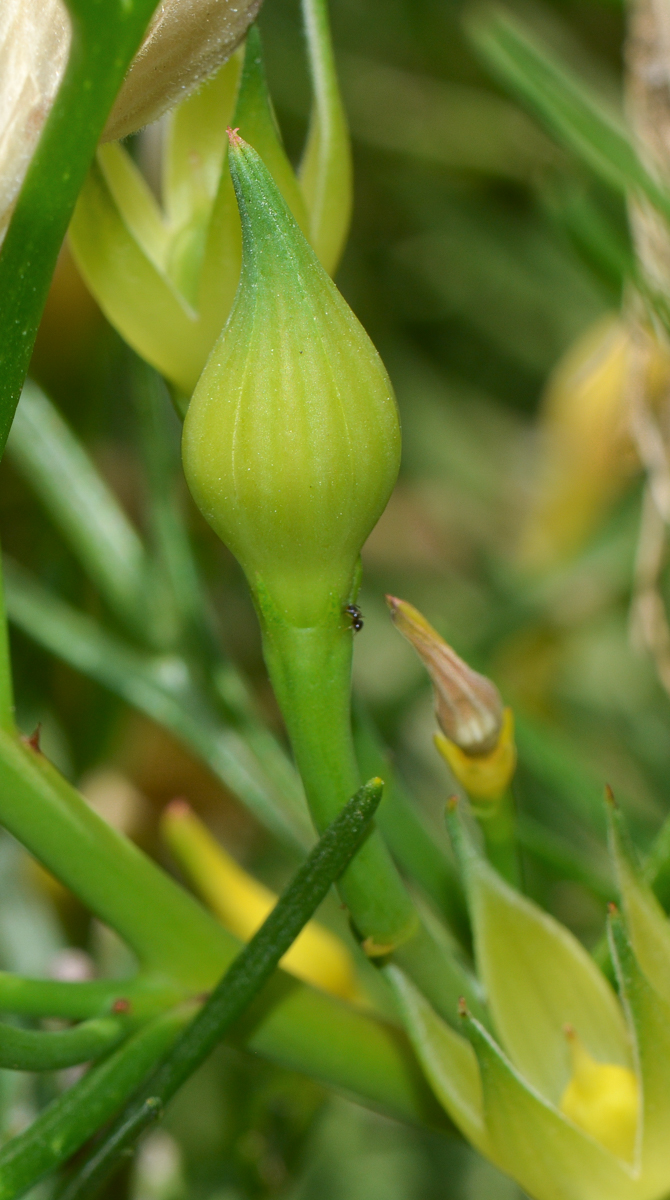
(75, 1116)
(196, 144)
(574, 115)
(138, 298)
(255, 118)
(106, 35)
(649, 1018)
(534, 1142)
(79, 502)
(537, 977)
(162, 688)
(447, 1058)
(242, 982)
(326, 170)
(648, 926)
(133, 197)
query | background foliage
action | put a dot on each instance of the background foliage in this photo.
(480, 251)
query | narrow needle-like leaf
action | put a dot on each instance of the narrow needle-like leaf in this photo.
(238, 987)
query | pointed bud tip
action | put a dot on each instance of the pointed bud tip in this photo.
(452, 804)
(234, 138)
(462, 1008)
(612, 909)
(609, 797)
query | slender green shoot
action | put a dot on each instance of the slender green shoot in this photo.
(241, 983)
(105, 37)
(326, 170)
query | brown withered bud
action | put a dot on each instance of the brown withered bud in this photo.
(468, 706)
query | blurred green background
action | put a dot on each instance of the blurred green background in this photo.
(480, 254)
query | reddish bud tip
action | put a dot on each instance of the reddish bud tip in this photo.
(609, 796)
(121, 1006)
(612, 908)
(452, 804)
(462, 1007)
(234, 137)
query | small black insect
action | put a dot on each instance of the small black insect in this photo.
(353, 611)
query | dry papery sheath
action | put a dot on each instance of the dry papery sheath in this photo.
(468, 706)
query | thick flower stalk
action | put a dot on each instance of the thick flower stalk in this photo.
(291, 449)
(186, 41)
(569, 1093)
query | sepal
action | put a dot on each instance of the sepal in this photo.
(648, 927)
(448, 1060)
(536, 975)
(649, 1019)
(533, 1142)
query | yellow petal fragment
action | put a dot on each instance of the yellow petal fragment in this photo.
(242, 903)
(602, 1098)
(485, 777)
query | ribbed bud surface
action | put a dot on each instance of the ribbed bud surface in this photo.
(291, 442)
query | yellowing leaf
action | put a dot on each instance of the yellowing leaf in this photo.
(537, 978)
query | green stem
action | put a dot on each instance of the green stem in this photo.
(77, 1001)
(362, 1055)
(37, 1050)
(249, 972)
(498, 824)
(75, 1116)
(420, 852)
(166, 928)
(105, 37)
(6, 687)
(310, 669)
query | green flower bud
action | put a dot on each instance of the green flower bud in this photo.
(291, 441)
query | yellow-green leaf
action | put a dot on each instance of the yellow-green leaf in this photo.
(649, 1017)
(648, 926)
(537, 977)
(448, 1060)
